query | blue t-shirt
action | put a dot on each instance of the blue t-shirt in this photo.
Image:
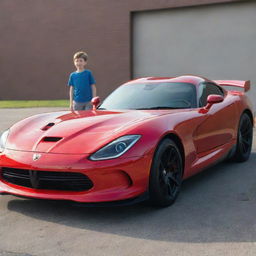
(82, 81)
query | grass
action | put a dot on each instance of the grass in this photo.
(33, 103)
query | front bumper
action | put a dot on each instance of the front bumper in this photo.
(113, 180)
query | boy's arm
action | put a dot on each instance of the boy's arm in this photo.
(94, 91)
(71, 93)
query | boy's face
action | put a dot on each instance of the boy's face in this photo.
(80, 63)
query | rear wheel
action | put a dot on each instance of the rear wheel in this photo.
(166, 174)
(244, 139)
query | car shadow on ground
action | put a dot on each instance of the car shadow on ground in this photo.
(217, 205)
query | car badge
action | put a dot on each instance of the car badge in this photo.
(36, 156)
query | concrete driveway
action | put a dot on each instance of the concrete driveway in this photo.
(214, 215)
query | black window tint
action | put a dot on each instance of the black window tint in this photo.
(152, 95)
(206, 90)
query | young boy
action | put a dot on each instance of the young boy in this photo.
(82, 84)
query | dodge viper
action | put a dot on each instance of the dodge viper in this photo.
(140, 143)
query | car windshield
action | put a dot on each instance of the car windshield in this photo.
(151, 96)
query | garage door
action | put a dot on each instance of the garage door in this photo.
(215, 41)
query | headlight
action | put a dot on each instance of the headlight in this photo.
(116, 148)
(3, 140)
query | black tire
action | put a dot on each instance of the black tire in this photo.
(244, 139)
(165, 174)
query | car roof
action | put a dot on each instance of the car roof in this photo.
(179, 79)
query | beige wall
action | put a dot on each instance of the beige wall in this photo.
(217, 42)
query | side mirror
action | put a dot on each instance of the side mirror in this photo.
(213, 99)
(95, 102)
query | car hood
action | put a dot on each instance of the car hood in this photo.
(72, 132)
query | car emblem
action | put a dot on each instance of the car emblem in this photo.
(36, 156)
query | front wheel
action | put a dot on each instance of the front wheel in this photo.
(244, 139)
(166, 174)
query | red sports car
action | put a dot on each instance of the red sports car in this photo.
(140, 143)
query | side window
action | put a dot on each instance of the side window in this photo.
(206, 89)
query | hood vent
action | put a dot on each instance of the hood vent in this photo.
(45, 128)
(51, 139)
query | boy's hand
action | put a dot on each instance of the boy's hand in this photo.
(71, 107)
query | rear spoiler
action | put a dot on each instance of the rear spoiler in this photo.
(246, 85)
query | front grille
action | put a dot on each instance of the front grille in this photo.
(69, 181)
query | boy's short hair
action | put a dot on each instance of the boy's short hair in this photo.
(82, 55)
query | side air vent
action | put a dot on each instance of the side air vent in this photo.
(51, 139)
(45, 128)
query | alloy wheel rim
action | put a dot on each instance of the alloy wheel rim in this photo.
(245, 136)
(170, 172)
